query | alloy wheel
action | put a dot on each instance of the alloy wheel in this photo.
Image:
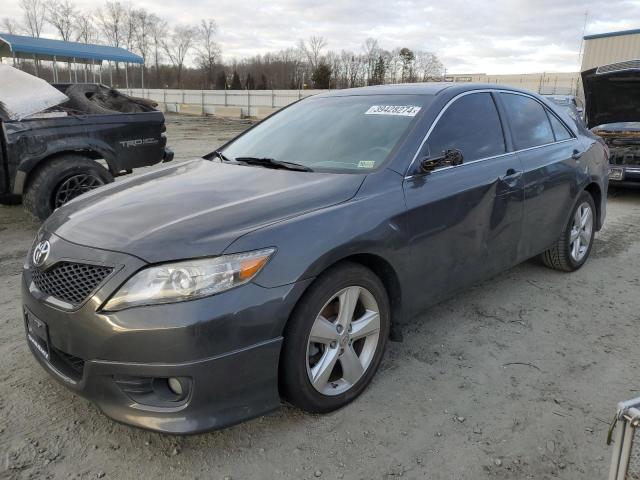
(73, 186)
(581, 231)
(343, 340)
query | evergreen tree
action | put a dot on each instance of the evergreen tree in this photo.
(322, 76)
(235, 81)
(379, 70)
(221, 81)
(263, 82)
(249, 83)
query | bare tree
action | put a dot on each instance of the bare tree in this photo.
(9, 26)
(61, 14)
(178, 46)
(84, 28)
(158, 30)
(208, 50)
(112, 21)
(312, 49)
(34, 13)
(428, 66)
(371, 50)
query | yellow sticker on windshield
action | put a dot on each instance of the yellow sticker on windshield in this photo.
(366, 164)
(399, 110)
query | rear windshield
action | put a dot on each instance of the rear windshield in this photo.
(343, 134)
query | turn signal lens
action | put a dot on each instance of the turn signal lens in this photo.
(249, 268)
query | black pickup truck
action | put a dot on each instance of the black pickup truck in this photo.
(98, 134)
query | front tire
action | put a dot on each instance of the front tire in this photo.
(335, 339)
(60, 180)
(574, 245)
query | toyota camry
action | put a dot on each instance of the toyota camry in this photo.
(275, 269)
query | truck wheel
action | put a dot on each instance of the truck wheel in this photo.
(574, 245)
(60, 180)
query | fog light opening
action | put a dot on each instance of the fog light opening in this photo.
(175, 386)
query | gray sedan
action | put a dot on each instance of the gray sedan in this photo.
(276, 268)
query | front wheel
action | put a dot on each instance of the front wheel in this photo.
(335, 340)
(574, 245)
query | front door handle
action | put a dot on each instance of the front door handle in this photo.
(511, 178)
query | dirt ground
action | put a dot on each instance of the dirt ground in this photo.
(516, 378)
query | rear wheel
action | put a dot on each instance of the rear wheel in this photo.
(574, 246)
(335, 340)
(60, 180)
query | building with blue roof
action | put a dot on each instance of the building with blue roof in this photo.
(20, 47)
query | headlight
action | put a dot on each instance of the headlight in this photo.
(177, 282)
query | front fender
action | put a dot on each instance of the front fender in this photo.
(373, 222)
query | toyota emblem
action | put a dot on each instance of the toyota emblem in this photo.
(41, 253)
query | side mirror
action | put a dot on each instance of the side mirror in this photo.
(449, 158)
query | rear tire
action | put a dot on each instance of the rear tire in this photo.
(61, 179)
(352, 353)
(572, 249)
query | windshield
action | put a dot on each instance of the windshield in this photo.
(343, 134)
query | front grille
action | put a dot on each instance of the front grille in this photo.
(70, 282)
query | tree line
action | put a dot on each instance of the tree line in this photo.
(189, 56)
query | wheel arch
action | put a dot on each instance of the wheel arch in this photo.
(24, 177)
(387, 274)
(596, 193)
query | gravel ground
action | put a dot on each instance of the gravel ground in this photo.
(516, 378)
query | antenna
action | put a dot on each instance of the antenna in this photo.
(584, 30)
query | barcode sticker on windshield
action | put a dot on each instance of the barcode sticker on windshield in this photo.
(401, 110)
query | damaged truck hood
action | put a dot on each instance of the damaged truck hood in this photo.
(612, 93)
(22, 95)
(194, 209)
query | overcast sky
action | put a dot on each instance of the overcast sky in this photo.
(501, 36)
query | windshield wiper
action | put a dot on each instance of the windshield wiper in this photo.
(221, 156)
(271, 163)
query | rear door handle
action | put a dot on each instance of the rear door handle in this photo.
(577, 154)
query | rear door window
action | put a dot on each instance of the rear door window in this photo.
(472, 125)
(559, 129)
(529, 121)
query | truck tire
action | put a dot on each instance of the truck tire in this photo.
(102, 100)
(61, 179)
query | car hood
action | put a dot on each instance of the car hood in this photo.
(194, 209)
(612, 93)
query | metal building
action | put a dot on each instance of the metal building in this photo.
(608, 48)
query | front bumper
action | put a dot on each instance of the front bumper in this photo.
(227, 346)
(624, 176)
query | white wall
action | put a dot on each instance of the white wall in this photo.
(248, 100)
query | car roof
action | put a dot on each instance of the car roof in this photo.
(426, 88)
